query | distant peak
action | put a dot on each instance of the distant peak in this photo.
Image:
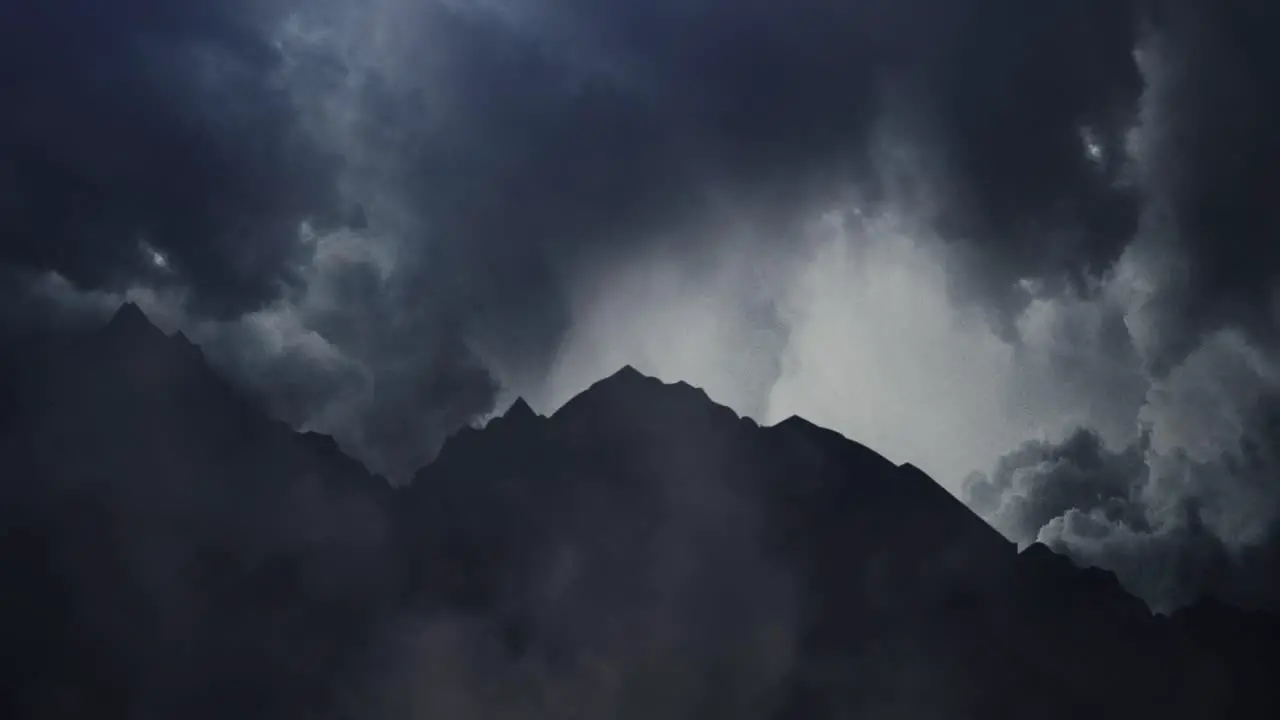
(1038, 550)
(519, 410)
(629, 391)
(627, 373)
(626, 379)
(129, 312)
(130, 330)
(130, 321)
(795, 421)
(627, 382)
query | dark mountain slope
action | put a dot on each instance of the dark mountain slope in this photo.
(905, 603)
(167, 550)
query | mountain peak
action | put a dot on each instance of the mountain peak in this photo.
(127, 315)
(879, 557)
(629, 391)
(132, 343)
(626, 374)
(131, 322)
(519, 410)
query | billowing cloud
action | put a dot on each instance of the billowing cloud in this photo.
(502, 158)
(1207, 158)
(1030, 487)
(1191, 507)
(390, 217)
(144, 127)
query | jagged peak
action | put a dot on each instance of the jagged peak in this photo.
(627, 379)
(128, 309)
(519, 410)
(129, 319)
(626, 374)
(807, 428)
(628, 386)
(182, 341)
(131, 329)
(1040, 552)
(798, 422)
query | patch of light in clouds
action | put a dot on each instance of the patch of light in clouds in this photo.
(857, 331)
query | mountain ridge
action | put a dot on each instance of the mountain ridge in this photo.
(638, 510)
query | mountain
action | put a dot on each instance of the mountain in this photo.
(158, 529)
(168, 550)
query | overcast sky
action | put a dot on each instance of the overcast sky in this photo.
(1029, 247)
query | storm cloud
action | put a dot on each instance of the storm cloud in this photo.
(945, 228)
(1190, 507)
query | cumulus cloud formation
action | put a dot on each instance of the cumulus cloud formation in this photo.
(944, 228)
(1190, 506)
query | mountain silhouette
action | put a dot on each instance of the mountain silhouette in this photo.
(169, 550)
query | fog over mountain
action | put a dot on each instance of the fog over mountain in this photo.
(1026, 247)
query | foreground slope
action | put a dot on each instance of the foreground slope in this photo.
(170, 551)
(167, 548)
(900, 602)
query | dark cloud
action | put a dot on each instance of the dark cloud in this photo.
(148, 124)
(1032, 485)
(1015, 94)
(366, 211)
(518, 150)
(497, 151)
(589, 123)
(1173, 526)
(364, 354)
(1211, 157)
